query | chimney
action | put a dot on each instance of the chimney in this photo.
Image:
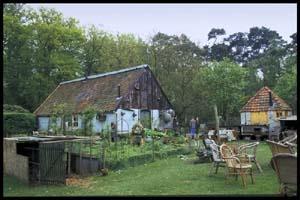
(119, 90)
(270, 99)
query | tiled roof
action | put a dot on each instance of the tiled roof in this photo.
(99, 91)
(260, 102)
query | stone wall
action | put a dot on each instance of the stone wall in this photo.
(13, 163)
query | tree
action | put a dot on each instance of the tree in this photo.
(176, 59)
(41, 49)
(92, 50)
(286, 86)
(223, 84)
(245, 47)
(214, 32)
(16, 52)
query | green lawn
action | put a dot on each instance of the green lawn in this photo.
(172, 176)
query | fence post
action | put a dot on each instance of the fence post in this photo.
(152, 148)
(80, 156)
(90, 165)
(69, 158)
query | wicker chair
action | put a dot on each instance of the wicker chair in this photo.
(279, 148)
(289, 139)
(249, 150)
(235, 166)
(285, 166)
(216, 158)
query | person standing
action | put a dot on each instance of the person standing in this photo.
(193, 127)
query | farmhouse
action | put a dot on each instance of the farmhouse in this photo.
(262, 112)
(123, 97)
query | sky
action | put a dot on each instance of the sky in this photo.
(194, 20)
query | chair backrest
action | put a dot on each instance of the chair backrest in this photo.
(228, 155)
(286, 167)
(215, 152)
(208, 142)
(249, 148)
(278, 148)
(290, 139)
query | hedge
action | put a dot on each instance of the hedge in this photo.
(14, 108)
(18, 123)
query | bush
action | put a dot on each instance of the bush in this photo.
(14, 108)
(18, 123)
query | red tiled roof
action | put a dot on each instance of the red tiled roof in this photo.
(260, 102)
(99, 91)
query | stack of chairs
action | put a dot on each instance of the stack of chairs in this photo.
(284, 163)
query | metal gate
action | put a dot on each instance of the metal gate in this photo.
(52, 160)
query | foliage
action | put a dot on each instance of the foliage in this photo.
(88, 115)
(14, 108)
(214, 32)
(224, 85)
(40, 50)
(286, 87)
(59, 112)
(17, 123)
(153, 133)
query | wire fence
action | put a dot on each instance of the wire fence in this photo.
(94, 153)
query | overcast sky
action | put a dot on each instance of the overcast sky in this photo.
(194, 20)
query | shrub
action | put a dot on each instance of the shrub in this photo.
(14, 108)
(17, 123)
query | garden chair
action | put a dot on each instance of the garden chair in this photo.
(235, 164)
(279, 148)
(249, 150)
(216, 158)
(285, 166)
(289, 139)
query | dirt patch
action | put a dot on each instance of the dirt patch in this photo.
(79, 181)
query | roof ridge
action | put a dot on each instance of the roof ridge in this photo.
(106, 74)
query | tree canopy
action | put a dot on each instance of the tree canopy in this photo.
(42, 48)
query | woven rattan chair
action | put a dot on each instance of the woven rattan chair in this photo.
(216, 158)
(289, 139)
(279, 148)
(249, 150)
(235, 166)
(285, 166)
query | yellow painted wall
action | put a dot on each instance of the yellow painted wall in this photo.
(259, 118)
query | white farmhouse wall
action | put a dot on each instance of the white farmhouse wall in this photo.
(243, 118)
(43, 123)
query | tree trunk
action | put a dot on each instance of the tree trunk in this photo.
(217, 121)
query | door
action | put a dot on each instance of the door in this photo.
(146, 118)
(52, 163)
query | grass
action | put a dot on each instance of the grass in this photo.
(172, 176)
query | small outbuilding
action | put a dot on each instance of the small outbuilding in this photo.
(39, 160)
(123, 97)
(262, 112)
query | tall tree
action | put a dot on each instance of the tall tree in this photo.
(222, 84)
(41, 49)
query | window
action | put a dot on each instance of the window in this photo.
(286, 113)
(75, 120)
(278, 114)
